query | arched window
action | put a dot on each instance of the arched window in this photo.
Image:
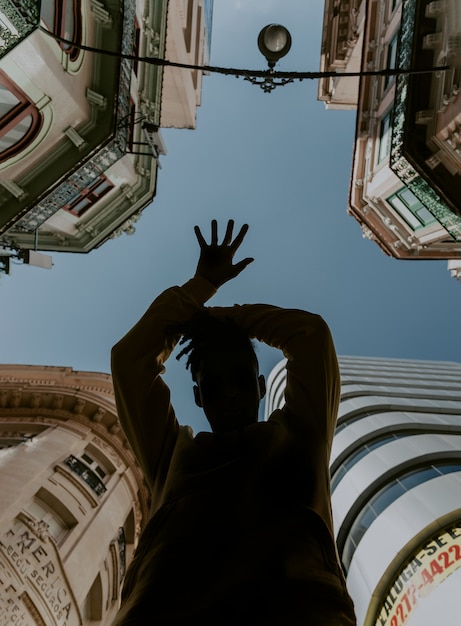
(20, 120)
(64, 19)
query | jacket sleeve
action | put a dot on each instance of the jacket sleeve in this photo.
(137, 362)
(313, 383)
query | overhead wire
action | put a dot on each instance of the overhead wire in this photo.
(245, 73)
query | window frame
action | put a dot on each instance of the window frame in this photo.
(385, 132)
(59, 27)
(391, 59)
(414, 220)
(90, 194)
(24, 108)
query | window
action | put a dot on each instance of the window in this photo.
(93, 608)
(86, 198)
(391, 62)
(20, 120)
(45, 507)
(130, 125)
(411, 209)
(385, 135)
(89, 475)
(64, 18)
(362, 451)
(93, 468)
(385, 497)
(137, 36)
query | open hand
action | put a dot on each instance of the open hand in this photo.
(215, 262)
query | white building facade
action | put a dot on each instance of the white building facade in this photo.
(83, 97)
(73, 499)
(395, 480)
(405, 181)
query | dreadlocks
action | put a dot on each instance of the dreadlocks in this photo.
(205, 334)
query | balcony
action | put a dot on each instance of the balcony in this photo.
(90, 478)
(18, 18)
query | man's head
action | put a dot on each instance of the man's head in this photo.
(225, 370)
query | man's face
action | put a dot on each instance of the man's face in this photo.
(229, 389)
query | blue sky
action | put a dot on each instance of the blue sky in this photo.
(279, 162)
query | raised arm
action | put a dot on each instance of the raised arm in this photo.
(313, 384)
(142, 397)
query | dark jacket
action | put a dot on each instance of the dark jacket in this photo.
(240, 528)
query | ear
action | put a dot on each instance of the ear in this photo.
(197, 398)
(262, 386)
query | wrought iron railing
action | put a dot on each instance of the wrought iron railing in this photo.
(18, 18)
(398, 162)
(87, 173)
(86, 473)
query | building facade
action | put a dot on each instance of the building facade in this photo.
(73, 498)
(395, 480)
(81, 109)
(406, 182)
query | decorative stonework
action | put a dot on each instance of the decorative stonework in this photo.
(31, 569)
(89, 172)
(397, 161)
(59, 396)
(367, 233)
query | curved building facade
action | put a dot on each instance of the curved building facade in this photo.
(73, 499)
(395, 481)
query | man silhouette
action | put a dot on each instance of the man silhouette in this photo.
(240, 530)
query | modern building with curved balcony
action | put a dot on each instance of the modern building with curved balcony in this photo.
(73, 499)
(395, 481)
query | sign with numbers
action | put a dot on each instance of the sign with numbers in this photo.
(439, 557)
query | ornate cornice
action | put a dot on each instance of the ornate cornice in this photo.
(60, 396)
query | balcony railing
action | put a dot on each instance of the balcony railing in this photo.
(398, 161)
(91, 478)
(18, 18)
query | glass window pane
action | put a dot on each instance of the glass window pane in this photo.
(87, 459)
(37, 510)
(448, 469)
(68, 22)
(104, 186)
(81, 206)
(386, 497)
(363, 522)
(56, 526)
(404, 211)
(409, 198)
(7, 101)
(424, 216)
(418, 477)
(391, 60)
(47, 13)
(385, 138)
(359, 454)
(16, 133)
(392, 54)
(337, 476)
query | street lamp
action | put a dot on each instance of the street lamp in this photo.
(274, 42)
